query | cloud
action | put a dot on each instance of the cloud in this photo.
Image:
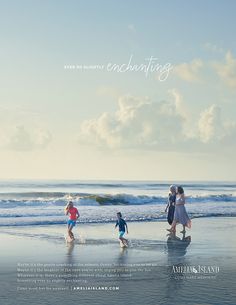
(138, 122)
(189, 71)
(227, 70)
(213, 129)
(179, 103)
(210, 124)
(141, 124)
(22, 139)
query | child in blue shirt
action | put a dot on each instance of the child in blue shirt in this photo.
(122, 228)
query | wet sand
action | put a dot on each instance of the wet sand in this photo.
(146, 273)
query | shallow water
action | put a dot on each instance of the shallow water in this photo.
(210, 243)
(36, 203)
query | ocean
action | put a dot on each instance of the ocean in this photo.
(33, 203)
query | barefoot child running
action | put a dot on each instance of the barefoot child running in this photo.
(122, 228)
(73, 216)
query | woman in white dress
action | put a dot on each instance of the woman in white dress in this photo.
(180, 215)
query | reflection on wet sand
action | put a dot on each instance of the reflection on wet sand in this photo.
(70, 248)
(176, 250)
(177, 247)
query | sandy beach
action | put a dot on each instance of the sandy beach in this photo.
(116, 117)
(40, 265)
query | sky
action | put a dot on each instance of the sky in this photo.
(77, 103)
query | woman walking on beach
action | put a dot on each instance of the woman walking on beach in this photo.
(171, 204)
(180, 215)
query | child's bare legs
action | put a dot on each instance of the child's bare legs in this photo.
(70, 232)
(124, 241)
